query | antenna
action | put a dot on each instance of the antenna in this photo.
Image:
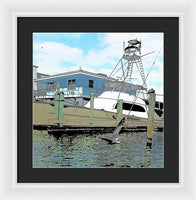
(131, 58)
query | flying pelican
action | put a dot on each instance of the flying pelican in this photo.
(114, 139)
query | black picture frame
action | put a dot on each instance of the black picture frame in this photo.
(25, 27)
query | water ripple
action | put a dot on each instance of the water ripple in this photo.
(88, 151)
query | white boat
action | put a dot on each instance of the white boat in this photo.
(131, 105)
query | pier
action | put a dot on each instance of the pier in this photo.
(57, 117)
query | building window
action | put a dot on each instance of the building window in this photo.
(50, 86)
(91, 84)
(50, 83)
(71, 84)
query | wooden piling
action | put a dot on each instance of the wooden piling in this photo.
(119, 110)
(58, 106)
(148, 157)
(151, 108)
(91, 107)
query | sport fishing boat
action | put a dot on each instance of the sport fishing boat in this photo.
(132, 104)
(108, 100)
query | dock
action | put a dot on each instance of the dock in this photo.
(76, 119)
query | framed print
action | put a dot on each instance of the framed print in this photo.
(98, 99)
(17, 182)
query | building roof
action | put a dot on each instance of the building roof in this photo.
(99, 75)
(43, 74)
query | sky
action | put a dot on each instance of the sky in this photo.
(55, 53)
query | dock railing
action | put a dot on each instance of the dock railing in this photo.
(48, 91)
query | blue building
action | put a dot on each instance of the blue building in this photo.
(77, 86)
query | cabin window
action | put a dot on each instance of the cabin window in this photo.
(128, 106)
(91, 84)
(71, 84)
(159, 105)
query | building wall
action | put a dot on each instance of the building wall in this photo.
(80, 80)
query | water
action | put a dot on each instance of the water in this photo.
(89, 151)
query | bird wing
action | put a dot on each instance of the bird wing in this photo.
(118, 128)
(121, 121)
(116, 131)
(106, 139)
